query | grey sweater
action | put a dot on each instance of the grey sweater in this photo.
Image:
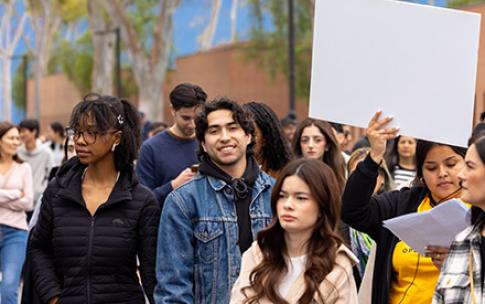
(41, 161)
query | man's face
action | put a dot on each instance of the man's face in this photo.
(26, 135)
(225, 141)
(289, 131)
(183, 119)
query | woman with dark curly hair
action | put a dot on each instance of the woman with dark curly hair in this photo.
(299, 257)
(271, 149)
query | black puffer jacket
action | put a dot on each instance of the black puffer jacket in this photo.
(365, 213)
(92, 259)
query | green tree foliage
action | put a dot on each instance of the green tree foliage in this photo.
(71, 10)
(461, 3)
(269, 47)
(143, 14)
(76, 61)
(18, 86)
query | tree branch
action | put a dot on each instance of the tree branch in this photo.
(207, 36)
(162, 29)
(234, 8)
(117, 11)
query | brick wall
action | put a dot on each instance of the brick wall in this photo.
(225, 71)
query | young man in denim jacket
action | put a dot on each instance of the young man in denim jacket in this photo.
(210, 221)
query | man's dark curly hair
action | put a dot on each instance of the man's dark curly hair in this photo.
(275, 152)
(241, 116)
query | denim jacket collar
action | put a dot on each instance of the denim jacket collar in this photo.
(262, 182)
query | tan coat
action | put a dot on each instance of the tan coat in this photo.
(338, 286)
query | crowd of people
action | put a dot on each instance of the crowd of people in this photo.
(229, 204)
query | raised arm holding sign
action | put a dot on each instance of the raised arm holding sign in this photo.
(397, 264)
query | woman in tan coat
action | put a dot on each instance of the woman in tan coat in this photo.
(299, 258)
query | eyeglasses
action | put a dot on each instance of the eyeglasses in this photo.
(89, 137)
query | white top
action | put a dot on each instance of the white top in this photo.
(296, 266)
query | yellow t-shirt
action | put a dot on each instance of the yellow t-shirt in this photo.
(416, 275)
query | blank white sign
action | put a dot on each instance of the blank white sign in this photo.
(415, 62)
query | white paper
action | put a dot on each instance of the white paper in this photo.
(415, 62)
(437, 226)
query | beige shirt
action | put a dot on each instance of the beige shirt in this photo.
(17, 180)
(337, 287)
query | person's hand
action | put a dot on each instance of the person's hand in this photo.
(378, 135)
(54, 300)
(437, 254)
(183, 177)
(22, 194)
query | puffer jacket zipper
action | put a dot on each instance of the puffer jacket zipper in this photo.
(90, 251)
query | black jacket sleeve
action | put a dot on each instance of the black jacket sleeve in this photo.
(147, 249)
(360, 209)
(46, 281)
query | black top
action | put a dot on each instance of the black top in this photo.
(365, 213)
(92, 259)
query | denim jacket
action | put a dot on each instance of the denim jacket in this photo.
(198, 257)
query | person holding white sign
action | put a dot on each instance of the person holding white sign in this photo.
(462, 275)
(401, 275)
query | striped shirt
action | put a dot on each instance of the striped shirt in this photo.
(402, 177)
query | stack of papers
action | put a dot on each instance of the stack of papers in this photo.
(437, 226)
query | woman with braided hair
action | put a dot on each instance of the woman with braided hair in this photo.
(95, 218)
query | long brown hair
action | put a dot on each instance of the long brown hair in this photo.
(321, 247)
(332, 156)
(4, 128)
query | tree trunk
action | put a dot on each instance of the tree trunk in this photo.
(11, 29)
(149, 68)
(104, 39)
(45, 22)
(7, 89)
(235, 4)
(150, 100)
(207, 37)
